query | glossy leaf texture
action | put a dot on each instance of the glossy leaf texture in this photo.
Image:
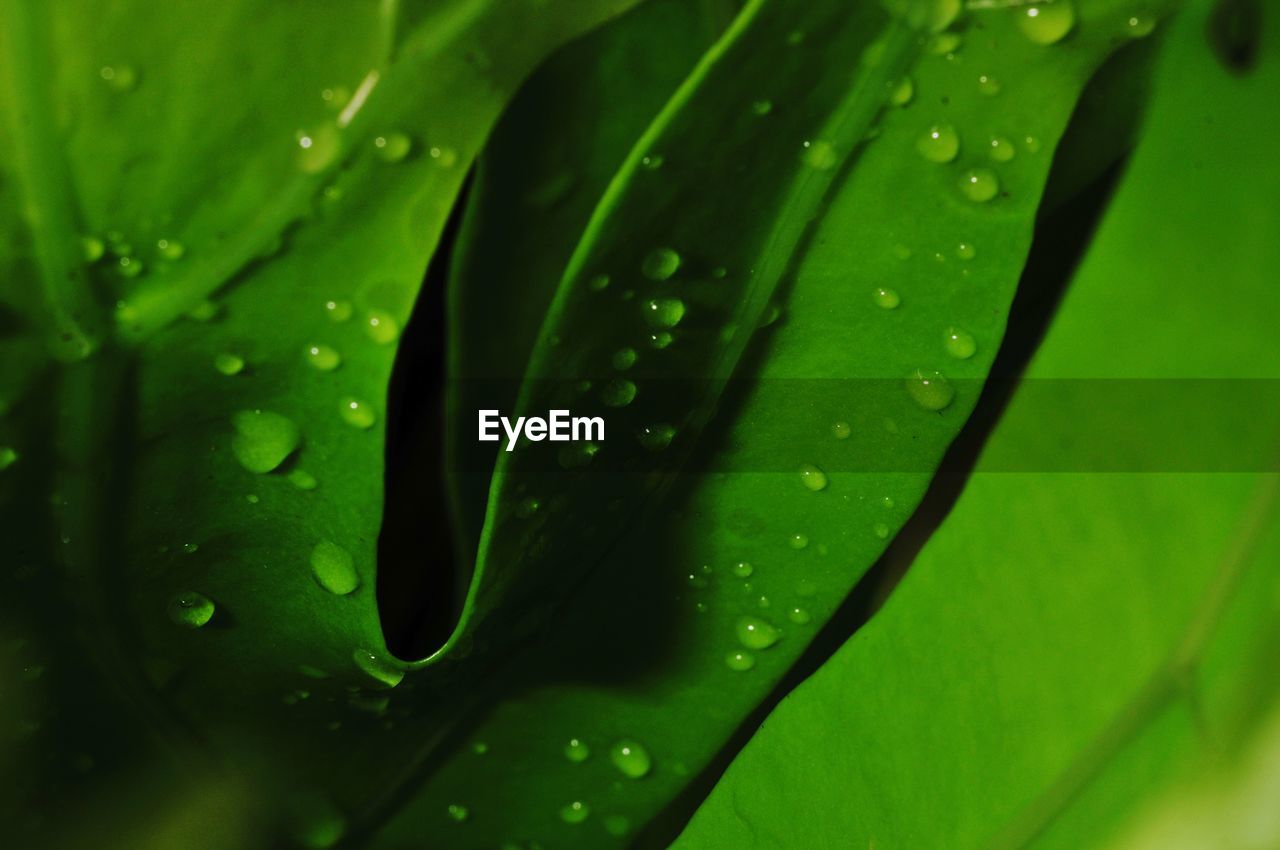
(827, 436)
(1041, 680)
(216, 222)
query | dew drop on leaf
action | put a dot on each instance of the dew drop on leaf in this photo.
(575, 812)
(966, 251)
(1001, 149)
(902, 91)
(379, 669)
(880, 530)
(598, 283)
(8, 457)
(799, 616)
(527, 507)
(655, 438)
(940, 143)
(819, 155)
(92, 248)
(576, 750)
(318, 150)
(171, 249)
(931, 390)
(444, 157)
(302, 479)
(798, 541)
(630, 758)
(755, 633)
(651, 162)
(357, 413)
(1139, 25)
(458, 812)
(813, 478)
(988, 85)
(338, 311)
(743, 569)
(1047, 23)
(190, 609)
(979, 184)
(624, 358)
(119, 78)
(263, 439)
(323, 357)
(228, 364)
(886, 298)
(841, 430)
(393, 147)
(960, 343)
(740, 661)
(762, 107)
(660, 339)
(944, 43)
(618, 392)
(333, 568)
(660, 264)
(382, 327)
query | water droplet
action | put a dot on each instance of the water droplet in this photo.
(841, 430)
(263, 440)
(618, 392)
(379, 669)
(480, 748)
(743, 569)
(755, 633)
(119, 78)
(979, 185)
(697, 582)
(336, 97)
(357, 413)
(338, 311)
(130, 267)
(660, 340)
(944, 43)
(988, 85)
(1032, 144)
(575, 813)
(171, 249)
(599, 283)
(617, 825)
(762, 107)
(1139, 25)
(813, 478)
(819, 155)
(931, 390)
(652, 162)
(940, 143)
(252, 498)
(458, 812)
(444, 157)
(8, 457)
(660, 264)
(190, 609)
(960, 344)
(190, 548)
(392, 147)
(228, 364)
(799, 616)
(886, 298)
(798, 541)
(624, 358)
(527, 507)
(1047, 23)
(655, 438)
(966, 251)
(334, 568)
(323, 357)
(382, 327)
(576, 750)
(740, 661)
(1001, 149)
(318, 150)
(630, 758)
(302, 479)
(902, 91)
(93, 248)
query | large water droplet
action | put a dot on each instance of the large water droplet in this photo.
(630, 758)
(886, 298)
(357, 413)
(263, 439)
(755, 633)
(940, 143)
(979, 184)
(191, 609)
(660, 264)
(663, 313)
(379, 669)
(960, 343)
(334, 568)
(931, 390)
(1047, 23)
(813, 478)
(618, 392)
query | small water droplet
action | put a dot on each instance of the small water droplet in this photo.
(743, 569)
(988, 85)
(191, 609)
(379, 669)
(576, 750)
(617, 825)
(660, 264)
(302, 479)
(651, 162)
(880, 530)
(444, 157)
(577, 455)
(618, 392)
(931, 390)
(190, 548)
(630, 758)
(228, 364)
(8, 457)
(886, 298)
(819, 155)
(655, 438)
(940, 143)
(318, 150)
(960, 343)
(93, 248)
(902, 91)
(357, 413)
(598, 283)
(458, 812)
(130, 267)
(1047, 23)
(334, 568)
(762, 107)
(382, 327)
(799, 616)
(119, 78)
(979, 185)
(966, 251)
(798, 541)
(660, 340)
(575, 813)
(1001, 149)
(527, 507)
(740, 661)
(755, 633)
(338, 311)
(841, 430)
(323, 357)
(944, 43)
(263, 440)
(813, 478)
(1139, 25)
(624, 358)
(171, 249)
(393, 147)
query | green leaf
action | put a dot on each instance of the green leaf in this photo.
(1034, 678)
(643, 653)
